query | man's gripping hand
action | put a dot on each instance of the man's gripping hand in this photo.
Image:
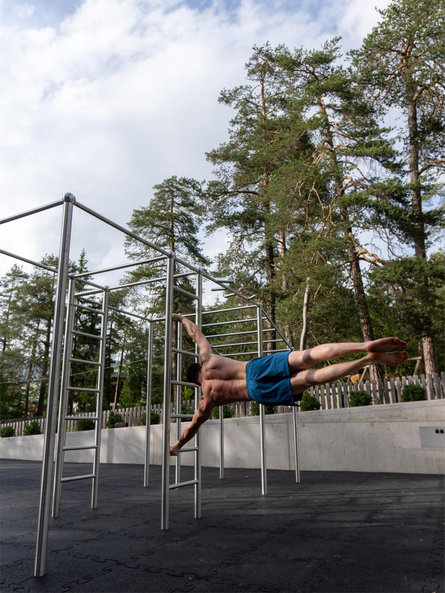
(174, 450)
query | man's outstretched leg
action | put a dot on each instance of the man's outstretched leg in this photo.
(299, 360)
(310, 377)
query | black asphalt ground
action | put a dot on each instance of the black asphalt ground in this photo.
(335, 532)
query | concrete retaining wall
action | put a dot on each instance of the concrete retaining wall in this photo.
(390, 438)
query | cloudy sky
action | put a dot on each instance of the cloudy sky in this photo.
(106, 98)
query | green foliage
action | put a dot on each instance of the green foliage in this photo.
(309, 402)
(32, 427)
(305, 175)
(359, 398)
(7, 431)
(113, 418)
(154, 418)
(255, 409)
(413, 393)
(227, 412)
(400, 65)
(85, 424)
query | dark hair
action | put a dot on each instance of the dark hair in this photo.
(192, 372)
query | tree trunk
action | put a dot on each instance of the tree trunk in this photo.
(376, 372)
(429, 355)
(284, 282)
(45, 368)
(416, 197)
(303, 334)
(119, 372)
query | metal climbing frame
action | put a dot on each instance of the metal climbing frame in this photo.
(177, 383)
(78, 303)
(61, 360)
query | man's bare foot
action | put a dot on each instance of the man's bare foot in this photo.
(392, 358)
(386, 345)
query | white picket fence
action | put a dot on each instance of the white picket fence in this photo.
(330, 396)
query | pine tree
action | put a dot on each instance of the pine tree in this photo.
(402, 65)
(12, 359)
(351, 151)
(258, 174)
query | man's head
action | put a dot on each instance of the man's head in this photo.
(192, 372)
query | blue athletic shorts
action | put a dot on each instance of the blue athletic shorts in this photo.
(268, 380)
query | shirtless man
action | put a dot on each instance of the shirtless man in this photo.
(277, 379)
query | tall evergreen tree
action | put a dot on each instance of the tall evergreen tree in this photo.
(256, 187)
(351, 150)
(171, 221)
(12, 358)
(402, 64)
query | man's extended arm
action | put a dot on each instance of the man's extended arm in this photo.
(205, 350)
(202, 414)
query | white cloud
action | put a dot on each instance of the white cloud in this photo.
(119, 94)
(360, 17)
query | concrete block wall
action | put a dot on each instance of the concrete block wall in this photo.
(387, 438)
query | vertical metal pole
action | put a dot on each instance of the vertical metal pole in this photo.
(198, 319)
(99, 399)
(148, 404)
(61, 429)
(53, 388)
(221, 442)
(178, 401)
(296, 450)
(167, 393)
(262, 427)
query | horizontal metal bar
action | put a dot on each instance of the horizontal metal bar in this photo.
(74, 478)
(90, 362)
(121, 228)
(189, 449)
(84, 389)
(183, 416)
(186, 292)
(81, 418)
(235, 344)
(129, 265)
(128, 313)
(85, 300)
(185, 352)
(182, 484)
(184, 274)
(139, 283)
(220, 283)
(86, 308)
(229, 309)
(231, 321)
(184, 383)
(34, 211)
(79, 447)
(88, 293)
(256, 352)
(29, 261)
(276, 329)
(85, 335)
(89, 283)
(250, 331)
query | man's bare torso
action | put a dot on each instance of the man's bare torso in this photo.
(223, 380)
